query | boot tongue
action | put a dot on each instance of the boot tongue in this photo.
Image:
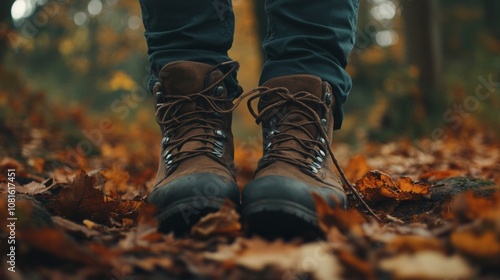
(183, 78)
(296, 83)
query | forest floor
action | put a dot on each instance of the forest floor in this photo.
(80, 211)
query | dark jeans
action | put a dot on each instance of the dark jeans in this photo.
(304, 37)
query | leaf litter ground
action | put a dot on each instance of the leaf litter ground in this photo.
(84, 216)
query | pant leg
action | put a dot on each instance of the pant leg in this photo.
(311, 37)
(200, 31)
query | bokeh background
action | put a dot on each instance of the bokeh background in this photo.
(416, 66)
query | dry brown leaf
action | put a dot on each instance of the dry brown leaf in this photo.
(95, 226)
(436, 175)
(152, 263)
(64, 175)
(468, 207)
(34, 188)
(357, 167)
(115, 181)
(226, 222)
(10, 163)
(72, 227)
(377, 186)
(346, 220)
(83, 201)
(427, 265)
(484, 246)
(257, 254)
(37, 163)
(56, 243)
(412, 244)
(146, 231)
(356, 266)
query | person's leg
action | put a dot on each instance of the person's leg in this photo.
(303, 87)
(311, 37)
(194, 84)
(180, 30)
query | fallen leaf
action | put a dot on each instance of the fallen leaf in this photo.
(56, 243)
(95, 226)
(412, 244)
(484, 246)
(257, 254)
(226, 222)
(427, 265)
(34, 188)
(115, 181)
(346, 220)
(436, 175)
(468, 207)
(146, 231)
(357, 167)
(73, 227)
(356, 266)
(81, 200)
(37, 163)
(377, 186)
(152, 263)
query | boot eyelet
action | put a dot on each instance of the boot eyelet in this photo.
(169, 163)
(164, 141)
(217, 152)
(272, 122)
(319, 159)
(219, 91)
(220, 133)
(322, 140)
(321, 153)
(323, 122)
(167, 155)
(219, 144)
(159, 97)
(316, 165)
(268, 145)
(328, 98)
(313, 169)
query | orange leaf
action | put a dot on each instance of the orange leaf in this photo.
(377, 186)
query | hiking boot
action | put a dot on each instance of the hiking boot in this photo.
(196, 168)
(296, 113)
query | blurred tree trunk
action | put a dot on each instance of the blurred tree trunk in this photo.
(423, 51)
(491, 10)
(5, 25)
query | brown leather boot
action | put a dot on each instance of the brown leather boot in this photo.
(196, 169)
(296, 113)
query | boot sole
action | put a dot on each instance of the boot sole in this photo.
(281, 206)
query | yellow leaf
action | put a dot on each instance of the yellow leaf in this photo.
(121, 80)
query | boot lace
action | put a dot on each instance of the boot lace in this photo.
(312, 148)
